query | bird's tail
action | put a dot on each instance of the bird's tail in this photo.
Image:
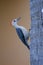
(27, 44)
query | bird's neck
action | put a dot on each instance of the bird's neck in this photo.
(16, 25)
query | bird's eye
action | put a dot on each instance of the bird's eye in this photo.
(14, 20)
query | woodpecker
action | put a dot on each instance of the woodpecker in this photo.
(22, 32)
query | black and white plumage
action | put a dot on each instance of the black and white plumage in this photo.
(22, 32)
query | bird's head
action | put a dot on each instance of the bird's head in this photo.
(14, 21)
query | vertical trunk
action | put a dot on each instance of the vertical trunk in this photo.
(36, 33)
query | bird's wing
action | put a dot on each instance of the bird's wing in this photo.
(25, 32)
(21, 36)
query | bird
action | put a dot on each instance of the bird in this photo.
(22, 32)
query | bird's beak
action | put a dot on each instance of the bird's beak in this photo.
(18, 18)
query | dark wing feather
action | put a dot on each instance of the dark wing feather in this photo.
(21, 36)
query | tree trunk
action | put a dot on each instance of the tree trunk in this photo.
(36, 33)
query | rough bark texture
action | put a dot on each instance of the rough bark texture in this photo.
(36, 33)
